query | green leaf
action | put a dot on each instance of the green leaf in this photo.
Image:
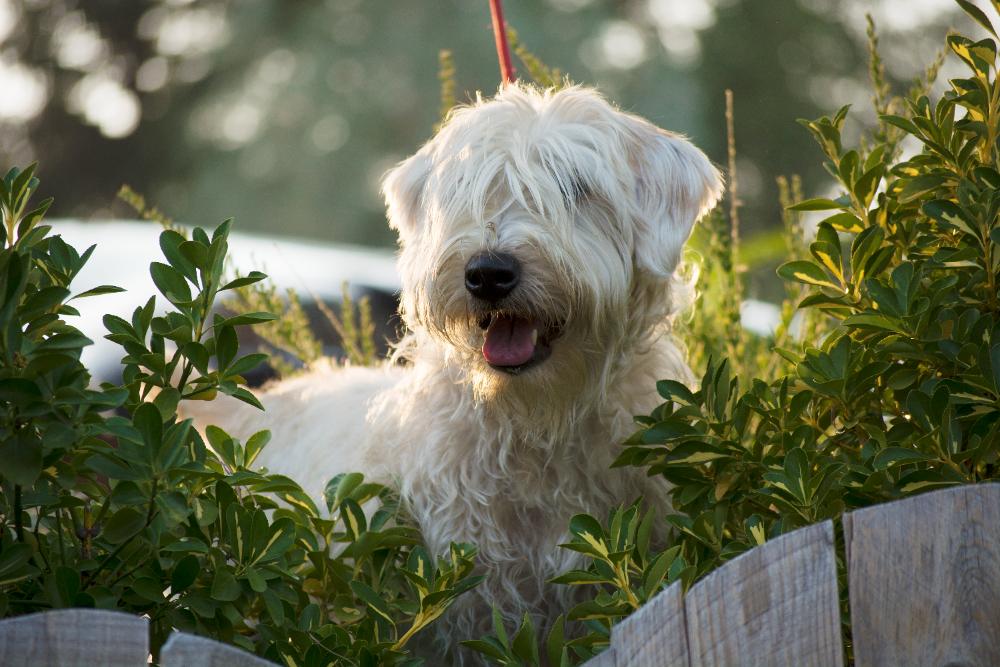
(226, 345)
(185, 573)
(902, 123)
(166, 403)
(579, 578)
(593, 609)
(257, 582)
(170, 244)
(924, 480)
(14, 561)
(340, 487)
(197, 254)
(247, 318)
(977, 14)
(274, 606)
(845, 222)
(920, 185)
(186, 544)
(862, 248)
(225, 587)
(656, 572)
(525, 644)
(254, 445)
(245, 364)
(171, 283)
(64, 342)
(488, 647)
(808, 273)
(67, 584)
(866, 186)
(586, 527)
(372, 600)
(498, 627)
(99, 290)
(249, 279)
(22, 182)
(872, 320)
(149, 422)
(818, 204)
(19, 390)
(555, 643)
(245, 396)
(950, 214)
(197, 354)
(148, 588)
(354, 518)
(673, 390)
(123, 524)
(22, 459)
(890, 456)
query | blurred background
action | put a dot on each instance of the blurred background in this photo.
(285, 114)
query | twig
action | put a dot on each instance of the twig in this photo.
(150, 515)
(734, 201)
(18, 519)
(446, 75)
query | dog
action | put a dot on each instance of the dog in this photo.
(539, 233)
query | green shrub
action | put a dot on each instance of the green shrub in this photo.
(132, 510)
(893, 390)
(901, 396)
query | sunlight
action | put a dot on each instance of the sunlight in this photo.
(25, 92)
(106, 104)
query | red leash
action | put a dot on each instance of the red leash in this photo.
(503, 47)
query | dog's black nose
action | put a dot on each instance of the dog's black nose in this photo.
(492, 275)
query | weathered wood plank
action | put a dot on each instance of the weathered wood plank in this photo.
(184, 650)
(74, 638)
(925, 579)
(654, 636)
(774, 605)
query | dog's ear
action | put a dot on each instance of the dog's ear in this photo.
(403, 188)
(676, 184)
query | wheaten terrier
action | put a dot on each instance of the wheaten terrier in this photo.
(538, 235)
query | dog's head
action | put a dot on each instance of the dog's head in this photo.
(535, 224)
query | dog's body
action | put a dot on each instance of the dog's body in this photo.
(539, 233)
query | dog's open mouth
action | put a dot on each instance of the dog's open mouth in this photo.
(514, 343)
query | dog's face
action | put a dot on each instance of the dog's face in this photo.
(531, 228)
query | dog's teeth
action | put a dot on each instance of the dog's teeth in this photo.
(534, 336)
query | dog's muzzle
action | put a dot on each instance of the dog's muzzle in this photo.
(514, 341)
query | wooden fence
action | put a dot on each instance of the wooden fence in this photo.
(923, 577)
(923, 581)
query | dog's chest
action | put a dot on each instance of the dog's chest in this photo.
(509, 493)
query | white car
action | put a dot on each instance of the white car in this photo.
(316, 270)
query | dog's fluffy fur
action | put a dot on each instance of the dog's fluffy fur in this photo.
(596, 205)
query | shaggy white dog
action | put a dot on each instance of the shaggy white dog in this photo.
(539, 232)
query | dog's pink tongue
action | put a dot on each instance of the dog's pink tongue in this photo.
(509, 341)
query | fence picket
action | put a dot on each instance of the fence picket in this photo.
(774, 605)
(925, 579)
(654, 635)
(184, 650)
(74, 638)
